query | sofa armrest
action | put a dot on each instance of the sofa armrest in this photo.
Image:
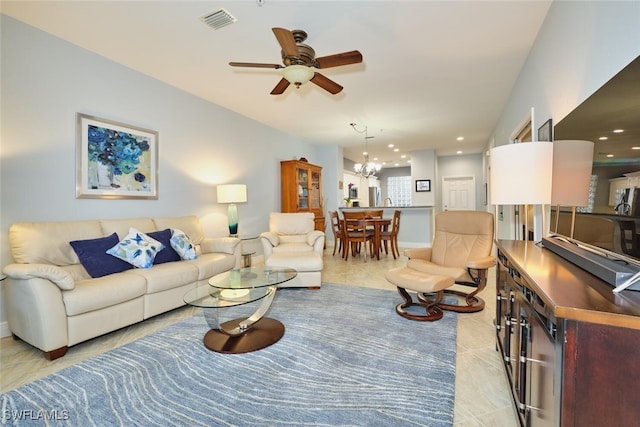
(313, 236)
(418, 253)
(271, 237)
(61, 278)
(227, 245)
(482, 263)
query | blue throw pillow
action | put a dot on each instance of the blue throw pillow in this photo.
(93, 257)
(168, 254)
(137, 249)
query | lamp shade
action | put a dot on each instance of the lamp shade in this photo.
(298, 74)
(572, 162)
(520, 174)
(232, 193)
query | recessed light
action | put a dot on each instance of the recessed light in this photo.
(459, 152)
(397, 164)
(395, 150)
(609, 155)
(635, 148)
(404, 156)
(618, 130)
(603, 138)
(390, 145)
(460, 138)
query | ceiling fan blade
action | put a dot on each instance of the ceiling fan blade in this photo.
(344, 58)
(326, 84)
(287, 42)
(280, 87)
(255, 65)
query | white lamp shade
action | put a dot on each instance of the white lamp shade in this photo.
(232, 193)
(521, 173)
(572, 162)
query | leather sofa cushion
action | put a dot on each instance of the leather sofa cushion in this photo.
(95, 294)
(166, 276)
(121, 226)
(211, 264)
(48, 242)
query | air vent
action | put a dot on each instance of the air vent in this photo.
(218, 19)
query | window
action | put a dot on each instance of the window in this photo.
(399, 190)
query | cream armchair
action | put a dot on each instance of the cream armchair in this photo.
(292, 241)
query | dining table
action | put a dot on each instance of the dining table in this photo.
(378, 225)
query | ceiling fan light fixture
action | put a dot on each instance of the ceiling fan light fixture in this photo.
(298, 74)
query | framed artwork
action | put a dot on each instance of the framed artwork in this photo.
(545, 132)
(423, 185)
(115, 160)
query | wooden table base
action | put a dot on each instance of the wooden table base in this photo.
(262, 334)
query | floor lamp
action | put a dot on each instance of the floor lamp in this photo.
(572, 162)
(520, 174)
(232, 194)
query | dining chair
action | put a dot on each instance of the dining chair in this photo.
(391, 235)
(338, 233)
(374, 213)
(356, 233)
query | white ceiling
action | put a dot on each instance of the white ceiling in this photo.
(432, 70)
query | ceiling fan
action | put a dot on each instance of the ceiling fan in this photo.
(299, 59)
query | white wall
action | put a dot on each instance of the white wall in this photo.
(580, 46)
(46, 81)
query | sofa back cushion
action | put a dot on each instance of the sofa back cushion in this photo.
(190, 225)
(48, 242)
(121, 226)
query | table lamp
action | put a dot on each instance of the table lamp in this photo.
(572, 161)
(520, 174)
(232, 194)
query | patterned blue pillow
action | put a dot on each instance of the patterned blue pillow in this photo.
(93, 257)
(137, 249)
(180, 243)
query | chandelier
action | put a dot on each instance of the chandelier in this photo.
(366, 168)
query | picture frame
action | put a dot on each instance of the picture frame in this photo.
(115, 160)
(423, 185)
(545, 132)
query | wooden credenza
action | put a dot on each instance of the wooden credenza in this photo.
(301, 188)
(570, 346)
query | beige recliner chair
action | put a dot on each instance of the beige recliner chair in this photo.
(293, 242)
(460, 254)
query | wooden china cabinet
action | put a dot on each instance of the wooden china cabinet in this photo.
(302, 189)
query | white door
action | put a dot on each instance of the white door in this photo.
(459, 193)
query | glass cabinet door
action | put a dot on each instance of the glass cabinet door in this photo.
(315, 190)
(303, 189)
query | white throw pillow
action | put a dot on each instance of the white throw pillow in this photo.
(181, 243)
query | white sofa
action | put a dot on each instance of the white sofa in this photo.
(53, 303)
(292, 241)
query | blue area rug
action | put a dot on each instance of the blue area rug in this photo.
(346, 359)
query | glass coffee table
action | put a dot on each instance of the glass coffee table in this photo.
(236, 288)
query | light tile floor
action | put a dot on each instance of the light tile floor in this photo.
(482, 393)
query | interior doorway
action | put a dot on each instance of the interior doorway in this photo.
(459, 193)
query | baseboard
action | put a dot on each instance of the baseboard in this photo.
(4, 329)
